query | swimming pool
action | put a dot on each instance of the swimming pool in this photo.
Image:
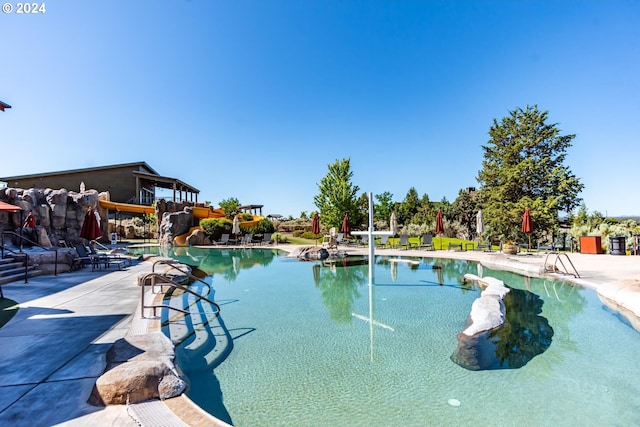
(311, 344)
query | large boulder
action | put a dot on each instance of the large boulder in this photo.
(310, 253)
(198, 238)
(504, 329)
(139, 368)
(174, 224)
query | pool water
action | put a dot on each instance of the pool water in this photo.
(311, 344)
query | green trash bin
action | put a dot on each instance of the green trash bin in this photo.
(617, 245)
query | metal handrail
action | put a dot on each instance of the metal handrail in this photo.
(558, 259)
(23, 239)
(26, 260)
(171, 263)
(169, 282)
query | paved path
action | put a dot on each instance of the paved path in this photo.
(53, 350)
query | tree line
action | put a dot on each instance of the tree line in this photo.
(523, 166)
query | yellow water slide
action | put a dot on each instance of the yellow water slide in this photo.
(200, 212)
(210, 212)
(127, 207)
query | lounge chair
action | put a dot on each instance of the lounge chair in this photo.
(108, 258)
(404, 241)
(247, 240)
(364, 240)
(427, 242)
(542, 247)
(84, 256)
(339, 238)
(383, 242)
(224, 240)
(266, 239)
(486, 247)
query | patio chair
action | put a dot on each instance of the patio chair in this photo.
(546, 247)
(427, 242)
(84, 256)
(224, 240)
(339, 238)
(383, 242)
(486, 247)
(266, 239)
(247, 240)
(364, 240)
(404, 242)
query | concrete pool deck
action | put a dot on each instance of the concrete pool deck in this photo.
(54, 349)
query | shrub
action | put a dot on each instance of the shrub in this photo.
(280, 238)
(310, 236)
(263, 226)
(298, 233)
(216, 227)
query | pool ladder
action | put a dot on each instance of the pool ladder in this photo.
(154, 279)
(557, 262)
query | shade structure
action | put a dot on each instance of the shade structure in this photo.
(6, 207)
(346, 226)
(90, 228)
(393, 224)
(30, 221)
(479, 223)
(527, 224)
(315, 226)
(236, 226)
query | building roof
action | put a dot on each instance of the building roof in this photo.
(91, 169)
(165, 182)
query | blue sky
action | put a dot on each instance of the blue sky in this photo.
(253, 99)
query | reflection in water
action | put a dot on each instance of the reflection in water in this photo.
(524, 335)
(338, 284)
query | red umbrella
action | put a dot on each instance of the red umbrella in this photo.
(346, 227)
(30, 221)
(315, 226)
(439, 225)
(527, 224)
(90, 227)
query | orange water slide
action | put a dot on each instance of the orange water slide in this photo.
(127, 207)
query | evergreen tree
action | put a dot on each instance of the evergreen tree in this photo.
(409, 207)
(383, 208)
(338, 196)
(524, 167)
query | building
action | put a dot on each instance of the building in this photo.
(126, 183)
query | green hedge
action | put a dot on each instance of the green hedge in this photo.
(216, 227)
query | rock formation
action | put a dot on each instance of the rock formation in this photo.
(504, 330)
(139, 368)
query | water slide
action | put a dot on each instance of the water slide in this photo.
(199, 212)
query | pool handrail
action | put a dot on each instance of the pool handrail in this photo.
(168, 282)
(549, 268)
(171, 263)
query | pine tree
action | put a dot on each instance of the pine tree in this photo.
(524, 167)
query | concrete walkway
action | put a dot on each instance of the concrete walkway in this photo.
(54, 349)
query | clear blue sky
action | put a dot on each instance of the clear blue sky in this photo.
(253, 99)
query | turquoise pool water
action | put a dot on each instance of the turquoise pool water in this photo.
(311, 344)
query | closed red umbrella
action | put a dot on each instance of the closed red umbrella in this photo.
(439, 225)
(346, 227)
(527, 224)
(90, 228)
(315, 226)
(30, 221)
